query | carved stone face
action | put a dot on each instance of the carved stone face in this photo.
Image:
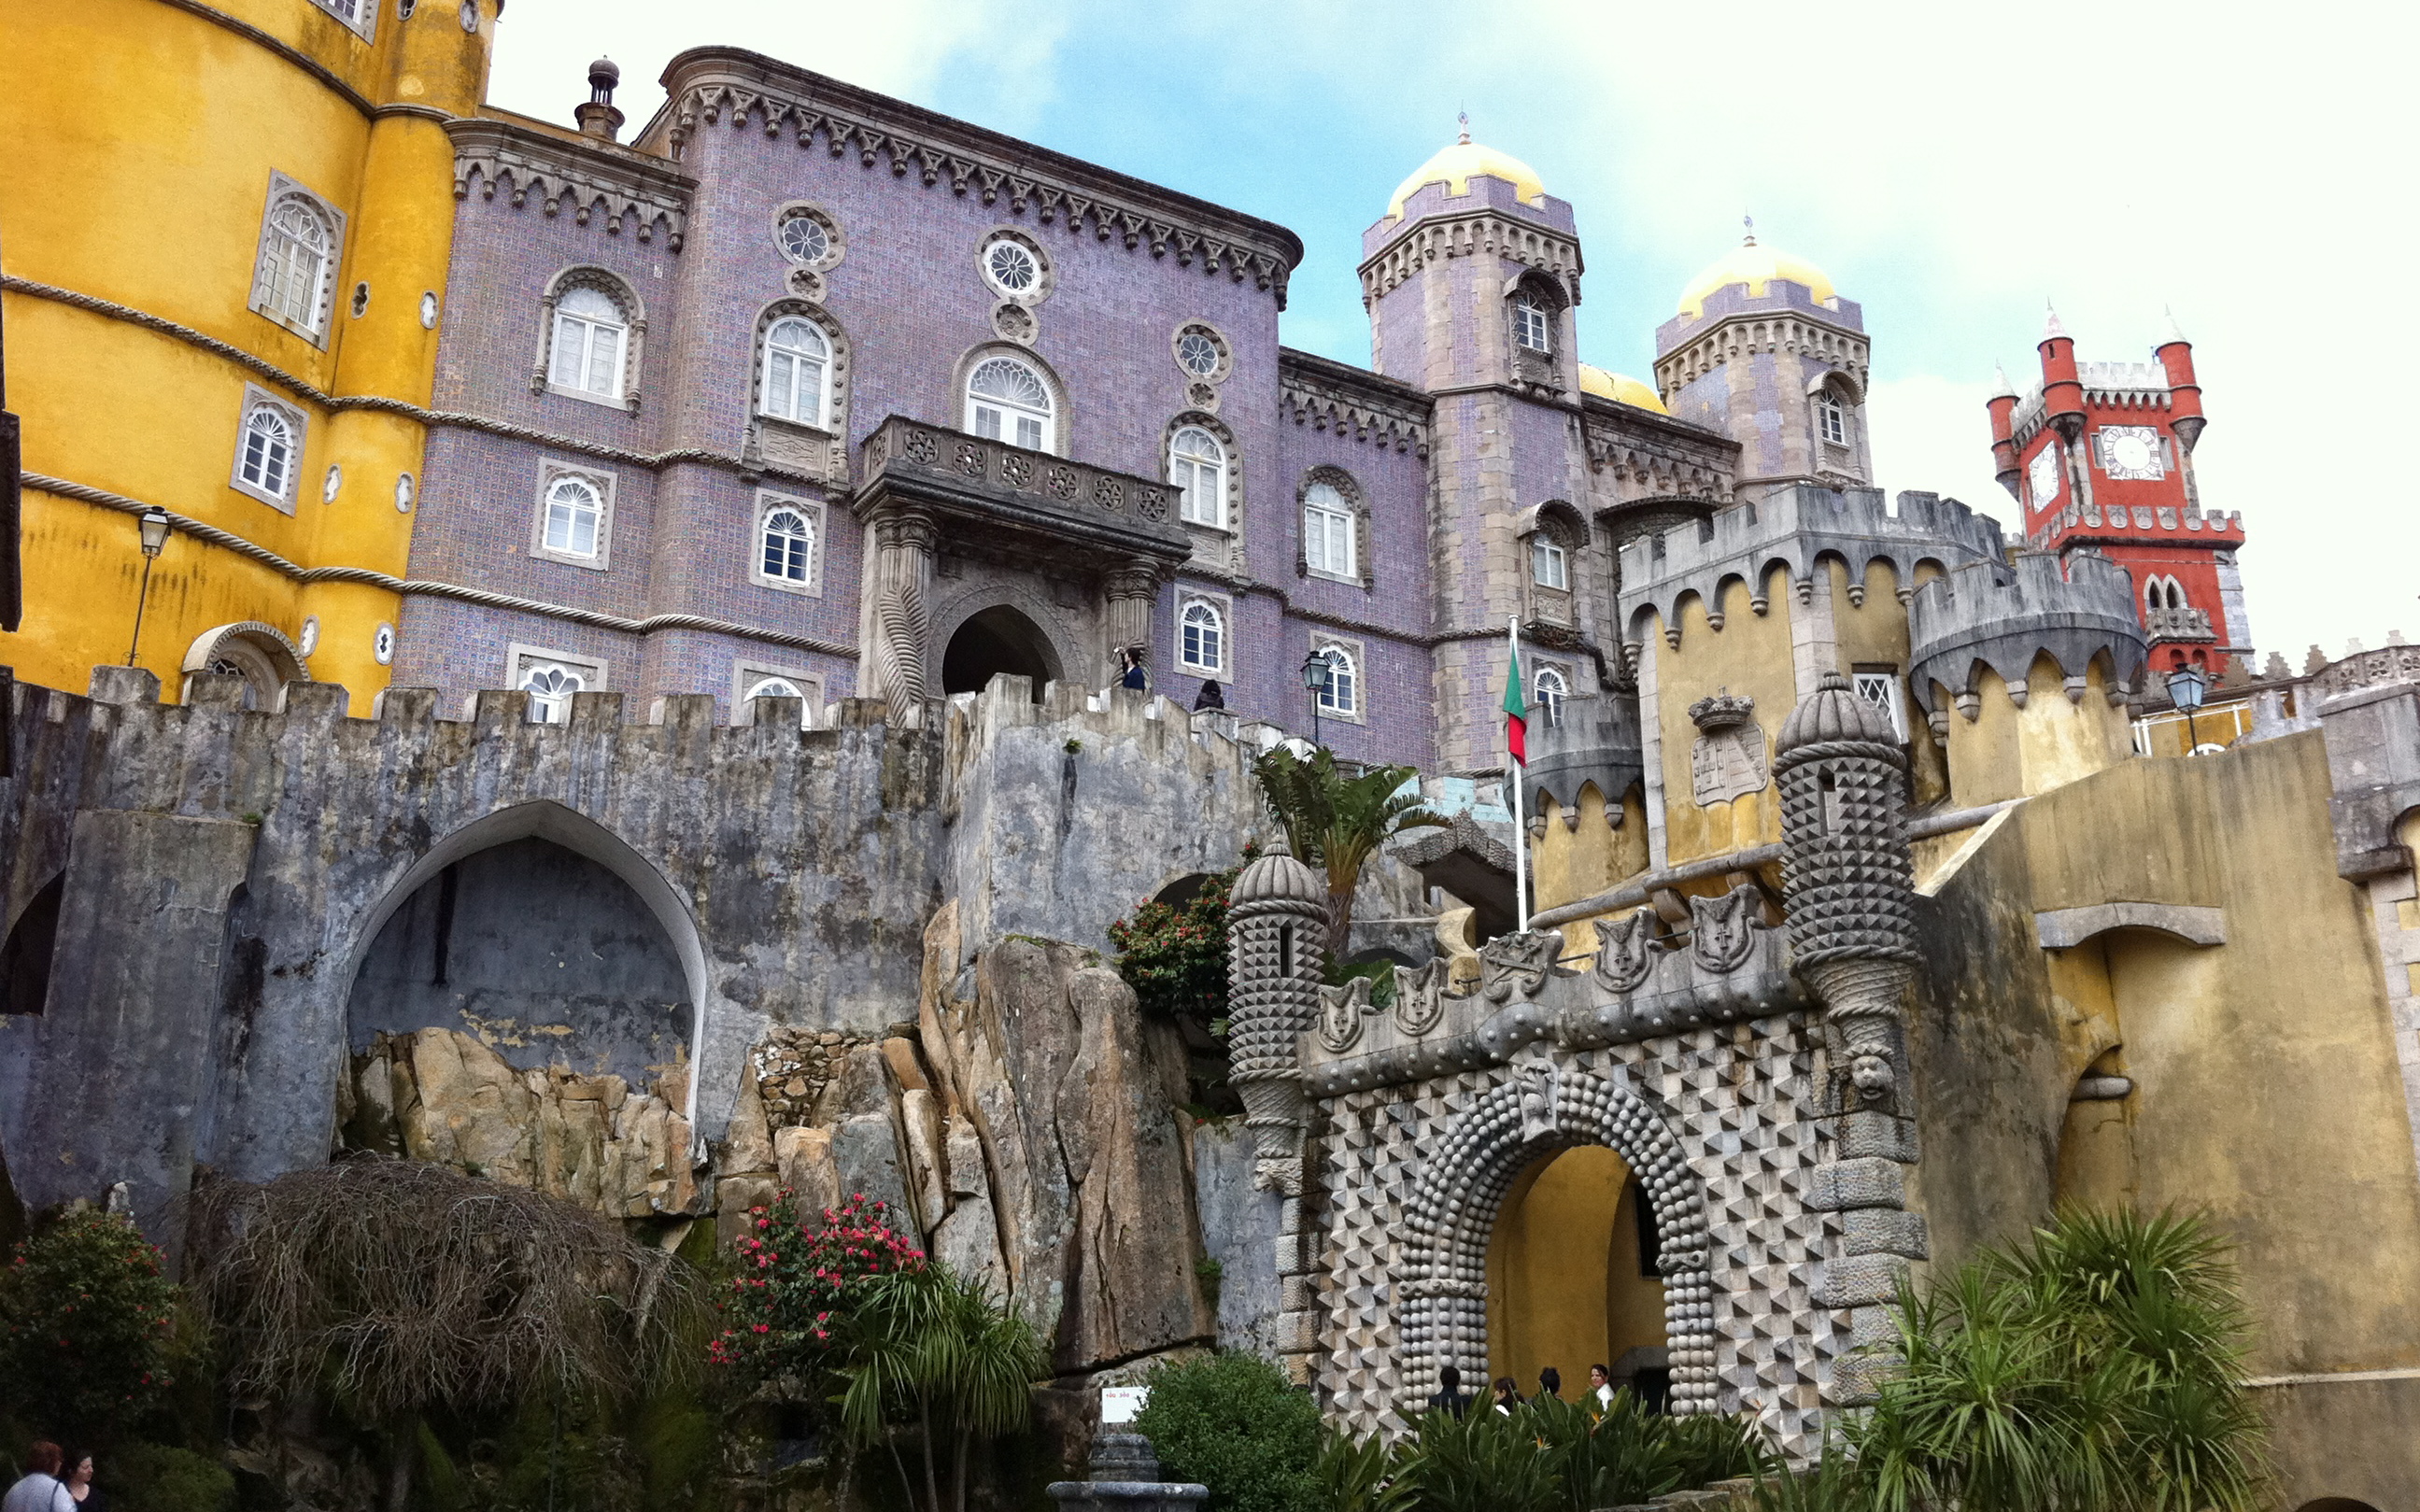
(1872, 1075)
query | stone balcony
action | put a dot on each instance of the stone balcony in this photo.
(1011, 503)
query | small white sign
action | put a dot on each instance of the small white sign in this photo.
(1120, 1404)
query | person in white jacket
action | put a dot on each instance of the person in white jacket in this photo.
(40, 1489)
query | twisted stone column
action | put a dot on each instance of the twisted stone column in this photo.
(1131, 591)
(1848, 884)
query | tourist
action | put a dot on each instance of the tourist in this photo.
(1508, 1396)
(40, 1491)
(1601, 1383)
(1211, 697)
(79, 1483)
(1134, 675)
(1452, 1398)
(1550, 1383)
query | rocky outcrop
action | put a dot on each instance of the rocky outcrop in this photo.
(1047, 1060)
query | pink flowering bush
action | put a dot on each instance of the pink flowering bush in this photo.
(795, 1277)
(87, 1327)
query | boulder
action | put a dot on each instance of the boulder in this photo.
(899, 1054)
(749, 1145)
(804, 1158)
(865, 1149)
(859, 1086)
(735, 1197)
(928, 1167)
(968, 1243)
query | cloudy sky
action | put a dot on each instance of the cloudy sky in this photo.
(1953, 167)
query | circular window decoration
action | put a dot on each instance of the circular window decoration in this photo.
(804, 235)
(1012, 266)
(1196, 351)
(382, 644)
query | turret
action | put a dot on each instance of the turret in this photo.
(1848, 884)
(2003, 404)
(1277, 933)
(2184, 391)
(597, 116)
(2062, 388)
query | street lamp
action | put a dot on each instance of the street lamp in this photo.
(1315, 673)
(153, 525)
(2186, 687)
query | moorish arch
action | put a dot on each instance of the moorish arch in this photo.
(1546, 1107)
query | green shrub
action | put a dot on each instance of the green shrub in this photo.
(1489, 1461)
(157, 1477)
(794, 1276)
(1231, 1422)
(1175, 958)
(87, 1328)
(1361, 1475)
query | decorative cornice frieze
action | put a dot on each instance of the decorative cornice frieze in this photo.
(1489, 231)
(1745, 332)
(708, 87)
(592, 179)
(426, 587)
(1659, 456)
(1352, 401)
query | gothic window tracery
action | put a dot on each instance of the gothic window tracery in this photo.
(1007, 400)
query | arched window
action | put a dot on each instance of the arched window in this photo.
(590, 332)
(297, 247)
(573, 512)
(1552, 690)
(2175, 593)
(1532, 323)
(774, 687)
(789, 544)
(1196, 464)
(1341, 692)
(265, 460)
(798, 371)
(1007, 401)
(1202, 639)
(1328, 537)
(1549, 564)
(550, 686)
(1831, 418)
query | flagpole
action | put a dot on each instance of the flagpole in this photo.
(1516, 774)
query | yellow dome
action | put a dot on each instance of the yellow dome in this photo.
(1453, 166)
(1755, 267)
(1621, 388)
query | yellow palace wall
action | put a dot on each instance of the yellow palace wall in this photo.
(147, 133)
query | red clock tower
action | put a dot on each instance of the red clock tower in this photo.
(2099, 455)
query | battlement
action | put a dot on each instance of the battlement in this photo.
(1595, 740)
(2002, 616)
(1796, 529)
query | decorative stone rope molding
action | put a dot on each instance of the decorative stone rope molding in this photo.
(710, 85)
(1545, 1106)
(429, 588)
(296, 57)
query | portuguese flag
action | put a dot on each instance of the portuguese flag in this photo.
(1517, 710)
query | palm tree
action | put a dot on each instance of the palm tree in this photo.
(1338, 822)
(928, 1355)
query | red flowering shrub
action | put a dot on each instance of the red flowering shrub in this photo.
(1175, 957)
(87, 1327)
(795, 1277)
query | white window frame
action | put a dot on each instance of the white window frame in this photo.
(523, 662)
(1224, 609)
(767, 504)
(1186, 473)
(587, 328)
(549, 474)
(257, 400)
(1552, 698)
(1007, 414)
(1866, 684)
(1531, 313)
(1340, 510)
(282, 193)
(747, 676)
(358, 16)
(822, 420)
(1031, 293)
(1831, 418)
(1357, 668)
(1544, 550)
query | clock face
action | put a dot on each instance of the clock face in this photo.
(2044, 476)
(2131, 452)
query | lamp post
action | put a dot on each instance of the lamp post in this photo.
(153, 525)
(2186, 687)
(1314, 678)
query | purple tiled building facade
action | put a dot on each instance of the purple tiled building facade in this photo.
(811, 392)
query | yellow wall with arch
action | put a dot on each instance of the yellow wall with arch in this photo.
(148, 134)
(1563, 1282)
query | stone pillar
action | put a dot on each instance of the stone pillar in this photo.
(891, 666)
(1849, 888)
(121, 1075)
(1132, 593)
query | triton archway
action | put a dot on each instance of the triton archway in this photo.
(995, 641)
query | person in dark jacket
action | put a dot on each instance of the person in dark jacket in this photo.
(1452, 1398)
(1550, 1383)
(1508, 1394)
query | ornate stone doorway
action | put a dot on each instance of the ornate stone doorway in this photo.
(1571, 1277)
(998, 640)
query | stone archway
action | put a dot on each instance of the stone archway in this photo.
(1001, 639)
(1545, 1106)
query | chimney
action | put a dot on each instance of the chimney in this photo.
(598, 117)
